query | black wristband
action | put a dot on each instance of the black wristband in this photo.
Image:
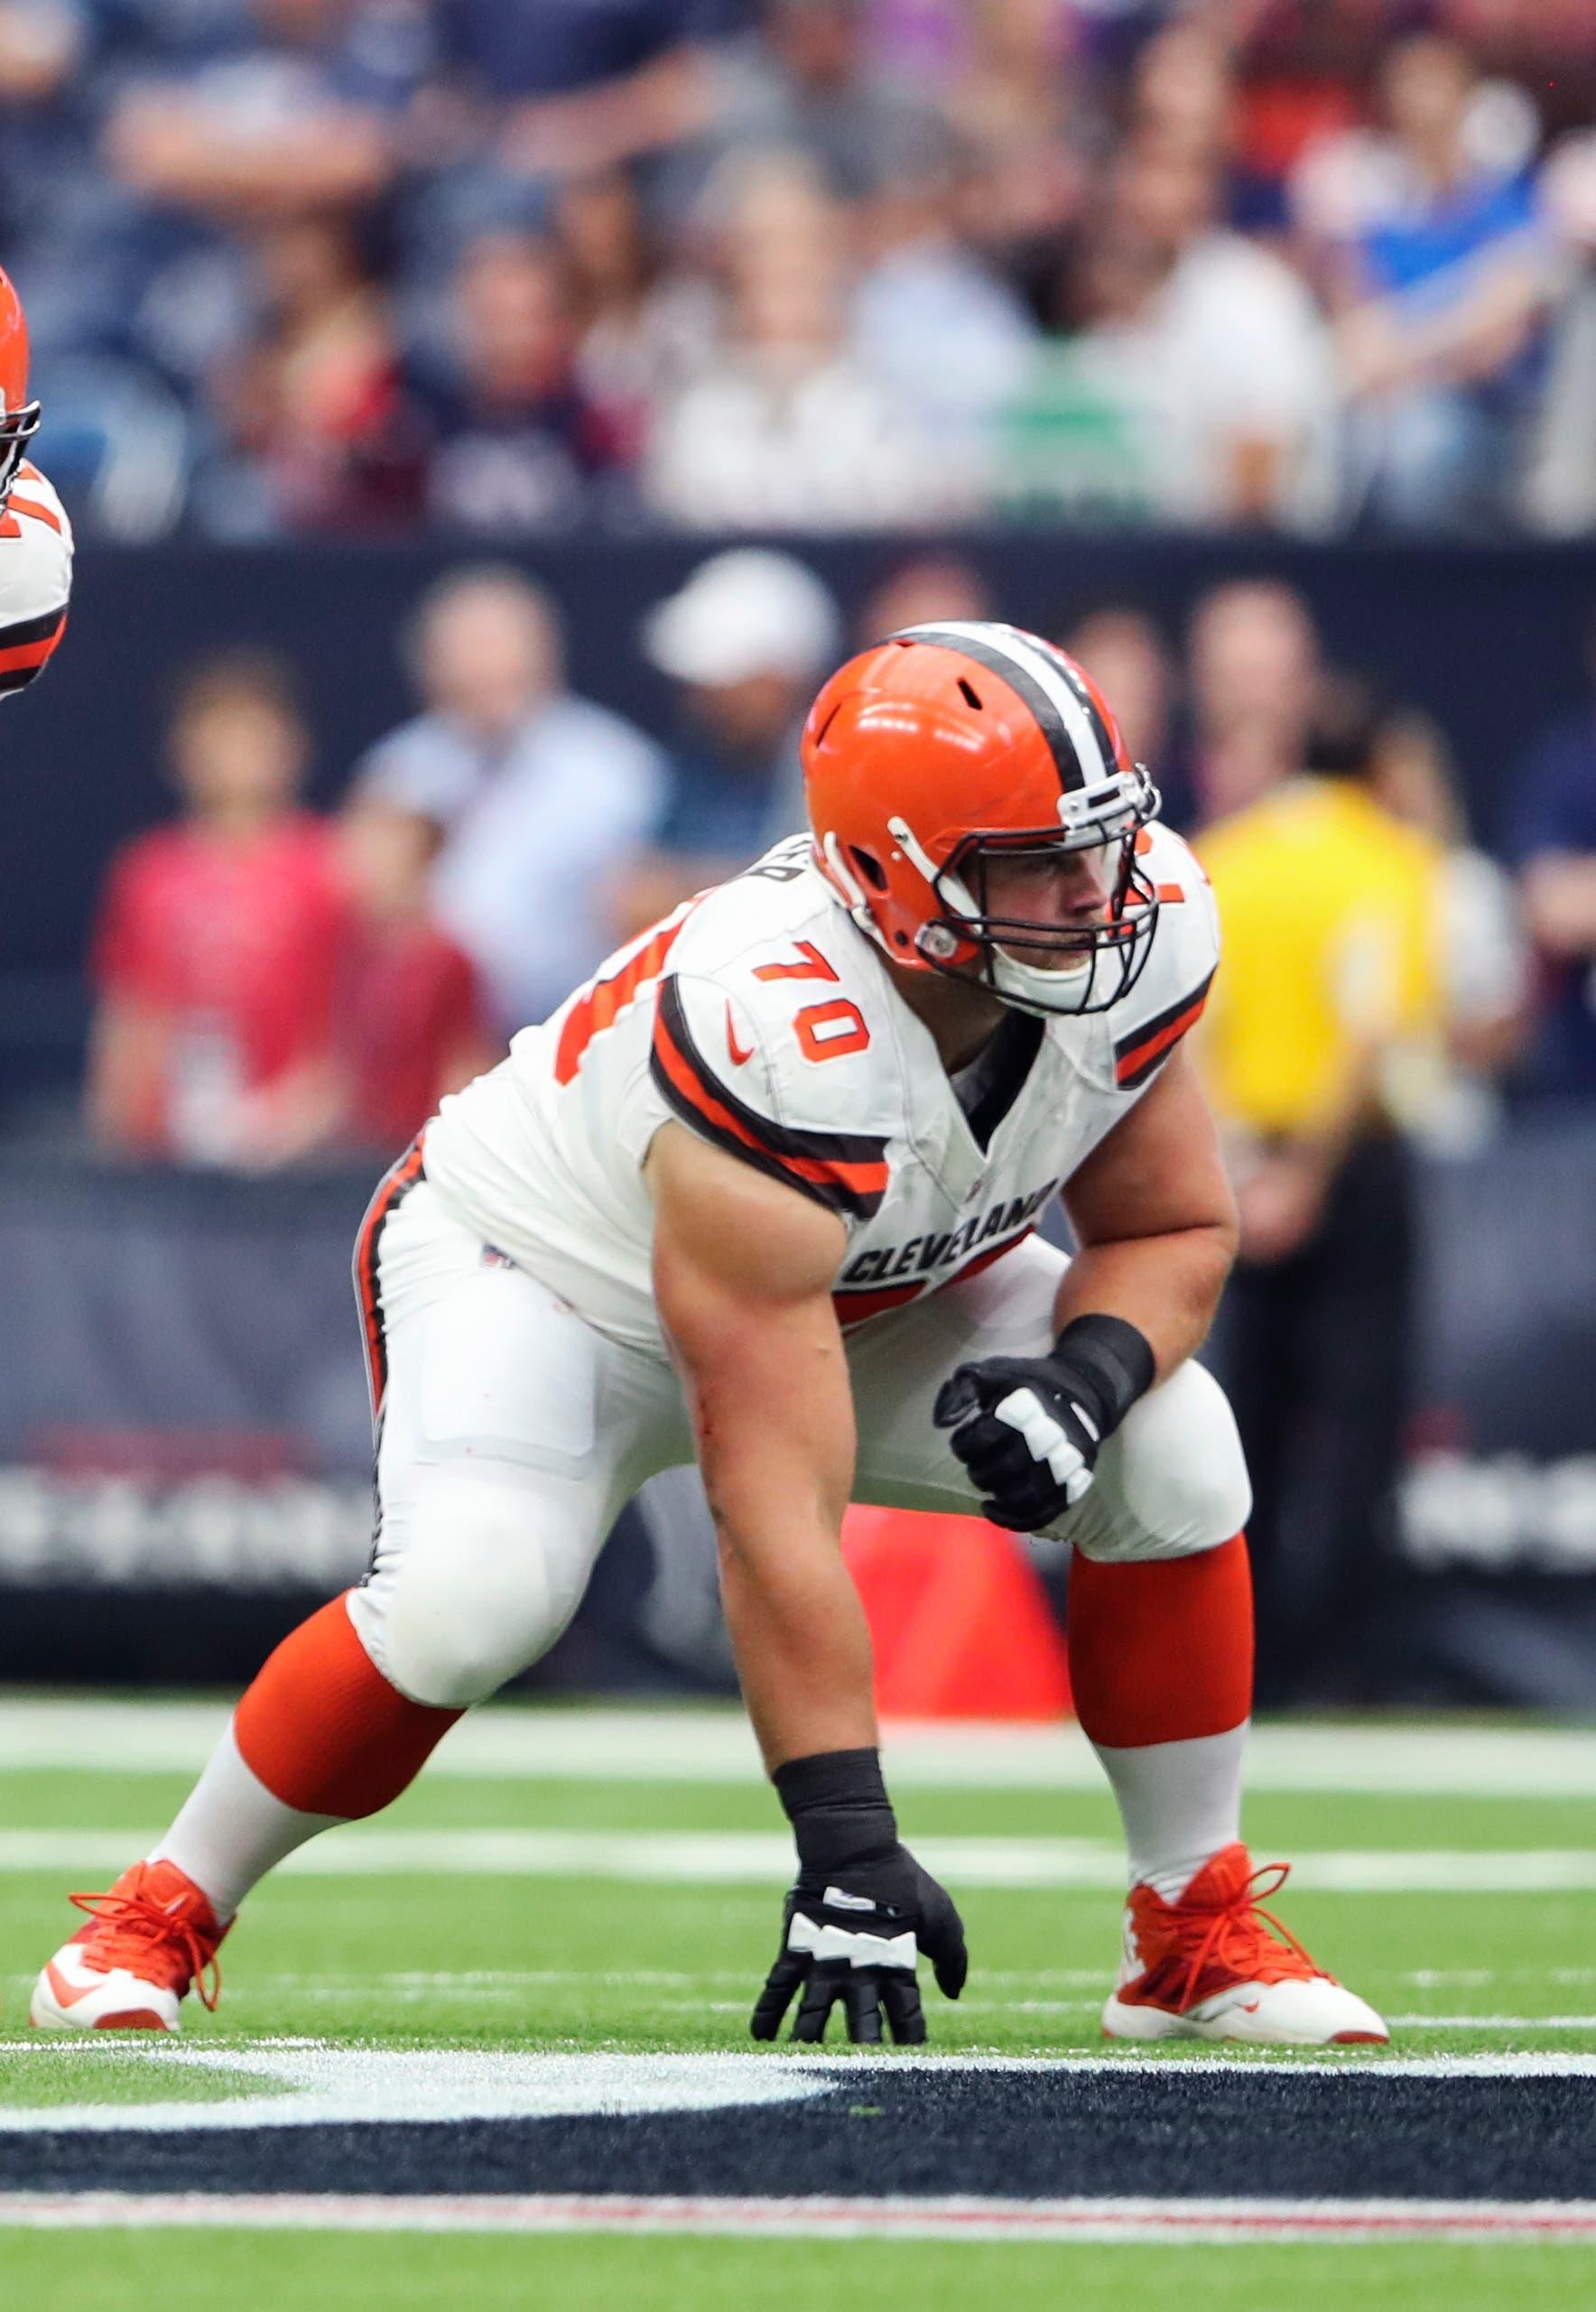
(1114, 1360)
(838, 1805)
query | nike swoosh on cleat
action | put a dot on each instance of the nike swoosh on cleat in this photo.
(65, 1996)
(738, 1058)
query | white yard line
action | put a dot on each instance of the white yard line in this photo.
(1122, 2221)
(1492, 2022)
(763, 1858)
(515, 1742)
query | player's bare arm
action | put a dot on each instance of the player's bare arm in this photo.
(1154, 1221)
(743, 1269)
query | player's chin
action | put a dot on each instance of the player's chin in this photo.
(1062, 962)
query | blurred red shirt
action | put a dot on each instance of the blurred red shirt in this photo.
(410, 1008)
(234, 941)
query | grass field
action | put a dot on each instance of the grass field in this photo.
(571, 1886)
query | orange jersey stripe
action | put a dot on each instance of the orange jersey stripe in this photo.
(1136, 1059)
(35, 509)
(389, 1190)
(868, 1179)
(858, 1181)
(603, 1002)
(28, 654)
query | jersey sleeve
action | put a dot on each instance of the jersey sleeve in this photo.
(1168, 998)
(35, 579)
(712, 1064)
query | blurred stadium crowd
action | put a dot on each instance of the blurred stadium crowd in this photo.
(272, 983)
(514, 266)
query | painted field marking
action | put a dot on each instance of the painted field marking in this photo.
(520, 1743)
(321, 2061)
(765, 1858)
(322, 2084)
(1113, 2221)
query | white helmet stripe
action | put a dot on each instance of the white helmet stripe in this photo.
(1003, 647)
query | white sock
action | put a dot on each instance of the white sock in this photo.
(1180, 1803)
(231, 1831)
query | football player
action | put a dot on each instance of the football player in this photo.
(35, 536)
(765, 1191)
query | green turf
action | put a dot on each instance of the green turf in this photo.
(53, 1798)
(538, 1962)
(192, 2272)
(418, 1960)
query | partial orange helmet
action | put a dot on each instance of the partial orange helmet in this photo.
(946, 746)
(19, 417)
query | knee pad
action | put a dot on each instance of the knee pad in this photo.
(1172, 1481)
(472, 1584)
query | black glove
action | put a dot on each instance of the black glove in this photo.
(862, 1910)
(1029, 1429)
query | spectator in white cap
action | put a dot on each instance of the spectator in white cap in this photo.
(745, 640)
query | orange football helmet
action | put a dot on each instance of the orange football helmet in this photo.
(19, 417)
(946, 746)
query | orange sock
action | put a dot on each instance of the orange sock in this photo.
(1161, 1651)
(323, 1729)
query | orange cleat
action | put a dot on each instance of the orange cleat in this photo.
(1216, 1965)
(152, 1937)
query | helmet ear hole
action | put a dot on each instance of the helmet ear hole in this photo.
(869, 866)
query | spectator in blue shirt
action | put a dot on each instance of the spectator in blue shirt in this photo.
(745, 641)
(1554, 844)
(1444, 279)
(538, 791)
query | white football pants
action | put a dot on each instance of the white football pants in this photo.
(513, 1434)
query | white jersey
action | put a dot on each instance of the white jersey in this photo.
(761, 1016)
(35, 578)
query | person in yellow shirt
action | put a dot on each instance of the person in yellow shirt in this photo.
(1321, 1037)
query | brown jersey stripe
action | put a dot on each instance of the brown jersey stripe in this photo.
(42, 629)
(1138, 1054)
(852, 1188)
(786, 1139)
(846, 1170)
(26, 648)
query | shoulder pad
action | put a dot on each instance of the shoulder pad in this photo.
(1168, 998)
(772, 1084)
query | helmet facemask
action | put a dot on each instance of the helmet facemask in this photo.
(1097, 962)
(17, 429)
